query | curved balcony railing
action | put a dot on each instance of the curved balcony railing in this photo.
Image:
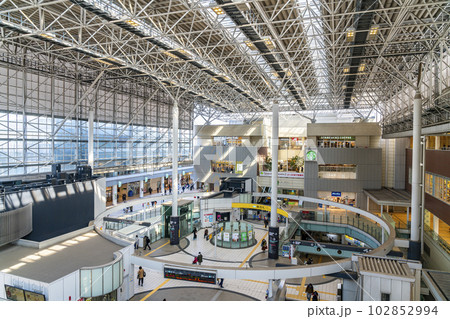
(294, 271)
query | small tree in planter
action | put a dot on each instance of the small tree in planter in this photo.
(295, 163)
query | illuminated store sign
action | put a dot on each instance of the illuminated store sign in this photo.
(346, 138)
(311, 156)
(283, 174)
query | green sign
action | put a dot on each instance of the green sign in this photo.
(244, 236)
(311, 156)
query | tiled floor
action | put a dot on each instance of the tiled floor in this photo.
(327, 291)
(229, 257)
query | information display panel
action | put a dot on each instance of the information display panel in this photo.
(18, 294)
(190, 275)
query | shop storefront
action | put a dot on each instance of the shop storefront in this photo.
(347, 198)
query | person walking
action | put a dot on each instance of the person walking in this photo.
(266, 222)
(315, 296)
(309, 291)
(140, 276)
(195, 233)
(147, 243)
(199, 258)
(221, 282)
(124, 197)
(205, 235)
(263, 245)
(136, 243)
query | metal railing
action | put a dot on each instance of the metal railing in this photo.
(441, 241)
(349, 218)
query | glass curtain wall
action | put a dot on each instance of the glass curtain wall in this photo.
(44, 120)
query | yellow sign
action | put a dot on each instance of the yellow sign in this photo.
(258, 207)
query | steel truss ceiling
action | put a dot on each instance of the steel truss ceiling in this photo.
(238, 56)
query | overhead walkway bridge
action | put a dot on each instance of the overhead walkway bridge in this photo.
(223, 270)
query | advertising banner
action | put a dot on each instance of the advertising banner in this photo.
(274, 233)
(226, 236)
(336, 194)
(250, 235)
(174, 229)
(219, 236)
(244, 236)
(283, 174)
(235, 237)
(285, 250)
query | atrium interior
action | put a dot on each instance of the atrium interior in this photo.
(224, 150)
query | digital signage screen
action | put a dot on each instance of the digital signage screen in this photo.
(18, 294)
(190, 275)
(13, 293)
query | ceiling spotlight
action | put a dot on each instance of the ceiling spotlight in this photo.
(346, 68)
(102, 61)
(133, 23)
(47, 35)
(350, 34)
(251, 45)
(269, 43)
(168, 53)
(218, 10)
(374, 30)
(361, 68)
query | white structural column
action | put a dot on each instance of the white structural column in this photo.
(162, 185)
(437, 142)
(436, 225)
(407, 217)
(114, 194)
(274, 188)
(141, 189)
(91, 139)
(175, 117)
(414, 247)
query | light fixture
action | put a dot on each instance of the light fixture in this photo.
(275, 74)
(102, 61)
(373, 30)
(218, 10)
(168, 53)
(184, 52)
(346, 68)
(269, 43)
(47, 35)
(251, 45)
(344, 86)
(350, 34)
(361, 68)
(288, 73)
(133, 23)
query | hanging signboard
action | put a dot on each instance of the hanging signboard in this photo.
(283, 174)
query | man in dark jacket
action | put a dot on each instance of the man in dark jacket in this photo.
(147, 243)
(309, 291)
(199, 258)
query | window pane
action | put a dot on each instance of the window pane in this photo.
(85, 278)
(97, 282)
(108, 279)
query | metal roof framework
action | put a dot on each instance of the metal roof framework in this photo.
(255, 52)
